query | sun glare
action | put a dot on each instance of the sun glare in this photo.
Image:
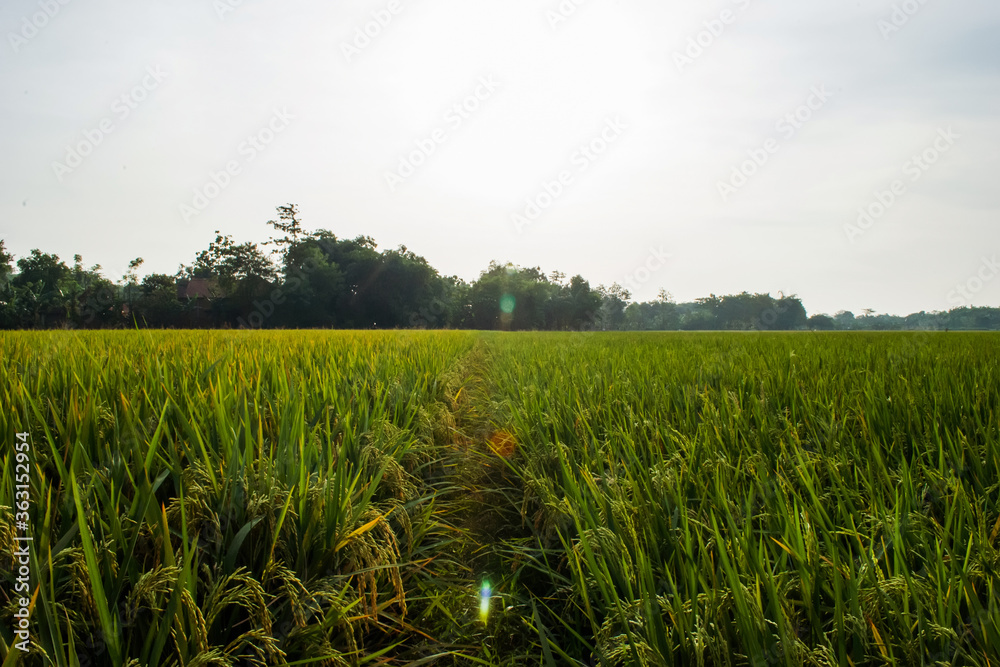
(485, 595)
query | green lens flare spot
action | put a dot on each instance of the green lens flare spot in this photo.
(507, 303)
(485, 595)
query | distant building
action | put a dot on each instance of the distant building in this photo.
(197, 294)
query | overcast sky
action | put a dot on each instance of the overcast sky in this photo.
(741, 138)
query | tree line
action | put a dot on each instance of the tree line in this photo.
(300, 279)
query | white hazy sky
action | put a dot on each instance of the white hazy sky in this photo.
(227, 66)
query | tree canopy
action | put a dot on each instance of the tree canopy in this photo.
(313, 279)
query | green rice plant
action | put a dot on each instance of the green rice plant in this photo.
(758, 499)
(222, 498)
(238, 498)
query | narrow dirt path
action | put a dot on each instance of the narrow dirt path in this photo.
(480, 500)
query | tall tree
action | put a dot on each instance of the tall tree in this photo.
(614, 302)
(290, 226)
(313, 284)
(38, 281)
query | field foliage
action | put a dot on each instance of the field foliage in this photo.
(231, 498)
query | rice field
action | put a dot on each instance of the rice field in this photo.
(459, 498)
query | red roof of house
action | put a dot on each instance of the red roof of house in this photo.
(198, 288)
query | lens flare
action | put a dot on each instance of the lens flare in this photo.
(485, 595)
(502, 443)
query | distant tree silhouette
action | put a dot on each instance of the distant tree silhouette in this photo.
(300, 278)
